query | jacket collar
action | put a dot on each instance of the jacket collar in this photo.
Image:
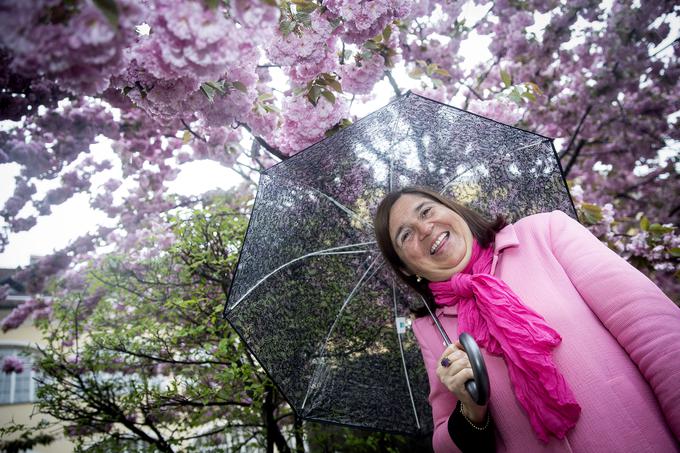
(504, 239)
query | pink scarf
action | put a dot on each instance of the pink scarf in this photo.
(493, 314)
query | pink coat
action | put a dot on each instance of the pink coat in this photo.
(620, 349)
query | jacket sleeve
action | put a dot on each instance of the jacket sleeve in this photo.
(441, 400)
(471, 438)
(644, 321)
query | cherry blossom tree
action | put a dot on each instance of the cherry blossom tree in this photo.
(163, 83)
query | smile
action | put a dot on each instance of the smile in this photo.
(438, 242)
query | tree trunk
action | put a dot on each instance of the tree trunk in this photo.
(299, 436)
(274, 435)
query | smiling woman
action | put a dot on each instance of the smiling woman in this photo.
(539, 296)
(410, 222)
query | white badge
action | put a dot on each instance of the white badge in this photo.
(401, 325)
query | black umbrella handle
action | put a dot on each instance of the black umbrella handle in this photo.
(478, 388)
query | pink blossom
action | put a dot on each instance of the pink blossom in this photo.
(364, 19)
(189, 41)
(308, 55)
(20, 313)
(257, 16)
(577, 193)
(499, 110)
(81, 52)
(437, 94)
(12, 364)
(304, 124)
(263, 124)
(361, 75)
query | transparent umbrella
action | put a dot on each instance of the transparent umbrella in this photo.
(313, 299)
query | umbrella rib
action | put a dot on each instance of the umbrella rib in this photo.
(532, 144)
(452, 180)
(322, 351)
(403, 360)
(342, 207)
(330, 251)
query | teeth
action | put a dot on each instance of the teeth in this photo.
(439, 240)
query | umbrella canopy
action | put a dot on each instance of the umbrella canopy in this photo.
(312, 297)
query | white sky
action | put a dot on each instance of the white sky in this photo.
(74, 217)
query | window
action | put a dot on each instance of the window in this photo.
(17, 387)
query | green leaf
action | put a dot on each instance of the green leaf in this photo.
(208, 91)
(286, 27)
(212, 4)
(644, 223)
(265, 97)
(515, 96)
(239, 86)
(307, 7)
(345, 122)
(271, 108)
(675, 252)
(366, 55)
(536, 89)
(442, 72)
(415, 73)
(389, 62)
(304, 18)
(372, 45)
(186, 137)
(592, 213)
(529, 95)
(314, 94)
(387, 32)
(329, 96)
(505, 77)
(110, 10)
(656, 228)
(335, 85)
(217, 86)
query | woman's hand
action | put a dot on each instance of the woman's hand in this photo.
(454, 378)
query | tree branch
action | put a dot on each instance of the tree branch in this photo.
(672, 43)
(274, 151)
(393, 82)
(647, 179)
(576, 131)
(192, 132)
(572, 160)
(142, 355)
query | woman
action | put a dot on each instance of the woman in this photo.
(582, 350)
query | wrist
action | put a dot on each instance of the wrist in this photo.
(475, 414)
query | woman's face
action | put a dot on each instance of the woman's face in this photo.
(432, 240)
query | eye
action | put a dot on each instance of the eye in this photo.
(404, 236)
(425, 212)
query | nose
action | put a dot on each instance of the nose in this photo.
(423, 229)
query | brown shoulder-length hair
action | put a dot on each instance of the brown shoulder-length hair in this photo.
(483, 229)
